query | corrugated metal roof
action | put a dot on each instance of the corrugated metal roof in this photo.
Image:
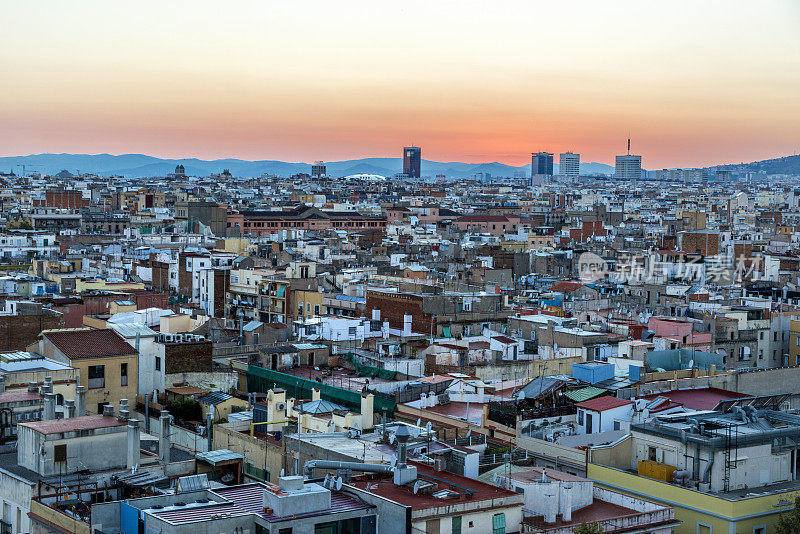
(19, 356)
(218, 455)
(308, 346)
(252, 325)
(349, 299)
(214, 398)
(584, 394)
(131, 330)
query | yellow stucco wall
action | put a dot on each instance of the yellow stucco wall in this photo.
(693, 507)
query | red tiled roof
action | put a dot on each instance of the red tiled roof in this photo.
(77, 344)
(20, 395)
(595, 512)
(697, 399)
(435, 379)
(566, 287)
(601, 404)
(58, 426)
(505, 340)
(485, 496)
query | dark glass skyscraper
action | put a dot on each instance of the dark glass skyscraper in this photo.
(541, 163)
(412, 161)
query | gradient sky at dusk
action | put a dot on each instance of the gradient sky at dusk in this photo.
(694, 82)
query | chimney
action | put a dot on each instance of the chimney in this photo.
(314, 394)
(123, 405)
(70, 406)
(376, 314)
(367, 411)
(33, 387)
(407, 324)
(48, 385)
(566, 504)
(134, 453)
(403, 473)
(550, 506)
(49, 410)
(80, 400)
(163, 438)
(123, 415)
(2, 384)
(209, 425)
(108, 410)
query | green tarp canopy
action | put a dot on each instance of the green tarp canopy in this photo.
(370, 370)
(260, 380)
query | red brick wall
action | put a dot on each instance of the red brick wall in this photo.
(19, 331)
(194, 357)
(394, 307)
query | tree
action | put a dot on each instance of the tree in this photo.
(588, 528)
(789, 522)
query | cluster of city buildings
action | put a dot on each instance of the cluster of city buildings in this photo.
(368, 354)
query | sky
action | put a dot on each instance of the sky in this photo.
(693, 82)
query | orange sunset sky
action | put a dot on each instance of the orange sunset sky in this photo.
(694, 82)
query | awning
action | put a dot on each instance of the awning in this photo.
(446, 330)
(584, 394)
(281, 290)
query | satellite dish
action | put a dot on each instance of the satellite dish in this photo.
(419, 421)
(325, 482)
(391, 438)
(428, 427)
(393, 461)
(469, 432)
(521, 395)
(283, 471)
(416, 487)
(338, 483)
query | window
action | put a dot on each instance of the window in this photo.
(760, 529)
(97, 376)
(285, 531)
(158, 363)
(60, 453)
(123, 374)
(499, 524)
(702, 528)
(580, 417)
(456, 528)
(651, 454)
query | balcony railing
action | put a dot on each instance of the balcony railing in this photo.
(97, 383)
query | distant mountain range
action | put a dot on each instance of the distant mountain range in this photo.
(140, 165)
(784, 165)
